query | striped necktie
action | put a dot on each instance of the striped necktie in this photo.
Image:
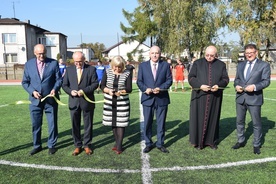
(248, 70)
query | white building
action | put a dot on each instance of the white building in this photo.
(123, 49)
(18, 39)
(88, 52)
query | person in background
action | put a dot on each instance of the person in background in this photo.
(100, 69)
(171, 68)
(130, 67)
(179, 74)
(154, 79)
(116, 84)
(207, 77)
(252, 76)
(41, 78)
(81, 79)
(62, 69)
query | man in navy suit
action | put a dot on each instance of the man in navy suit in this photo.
(41, 78)
(154, 80)
(253, 75)
(76, 86)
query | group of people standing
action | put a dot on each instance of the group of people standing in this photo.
(208, 77)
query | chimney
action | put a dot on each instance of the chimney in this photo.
(27, 21)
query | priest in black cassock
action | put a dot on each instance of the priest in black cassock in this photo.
(207, 78)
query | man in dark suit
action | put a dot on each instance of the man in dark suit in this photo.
(79, 80)
(253, 75)
(154, 80)
(41, 78)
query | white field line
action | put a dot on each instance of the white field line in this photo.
(216, 166)
(147, 178)
(75, 169)
(146, 173)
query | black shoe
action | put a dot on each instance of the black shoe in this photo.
(35, 151)
(257, 150)
(52, 151)
(238, 145)
(214, 147)
(163, 149)
(147, 149)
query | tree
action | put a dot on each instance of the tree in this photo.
(98, 48)
(255, 21)
(175, 25)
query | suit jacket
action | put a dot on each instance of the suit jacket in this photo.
(163, 81)
(259, 76)
(88, 83)
(51, 79)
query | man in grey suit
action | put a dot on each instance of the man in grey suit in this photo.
(253, 75)
(41, 78)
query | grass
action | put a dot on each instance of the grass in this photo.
(16, 142)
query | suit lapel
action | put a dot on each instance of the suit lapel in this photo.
(159, 69)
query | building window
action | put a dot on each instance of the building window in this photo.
(51, 41)
(11, 58)
(9, 38)
(48, 41)
(41, 40)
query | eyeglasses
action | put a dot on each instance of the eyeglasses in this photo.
(40, 54)
(78, 62)
(247, 53)
(209, 55)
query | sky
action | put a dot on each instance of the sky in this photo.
(83, 21)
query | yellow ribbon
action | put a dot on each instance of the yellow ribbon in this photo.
(57, 100)
(87, 99)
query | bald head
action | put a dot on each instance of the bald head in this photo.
(210, 53)
(155, 53)
(40, 52)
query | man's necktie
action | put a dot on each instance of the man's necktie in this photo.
(40, 67)
(248, 70)
(154, 71)
(79, 72)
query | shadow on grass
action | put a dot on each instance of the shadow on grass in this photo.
(228, 125)
(132, 135)
(176, 130)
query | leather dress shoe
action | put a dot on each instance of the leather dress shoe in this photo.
(214, 147)
(163, 149)
(88, 151)
(76, 151)
(52, 151)
(238, 145)
(35, 151)
(257, 150)
(147, 149)
(118, 152)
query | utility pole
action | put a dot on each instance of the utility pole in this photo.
(13, 9)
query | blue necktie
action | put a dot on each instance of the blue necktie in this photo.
(248, 70)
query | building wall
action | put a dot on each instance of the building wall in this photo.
(125, 48)
(18, 48)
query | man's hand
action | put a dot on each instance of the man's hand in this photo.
(250, 88)
(214, 88)
(239, 89)
(205, 87)
(74, 93)
(148, 91)
(36, 95)
(156, 90)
